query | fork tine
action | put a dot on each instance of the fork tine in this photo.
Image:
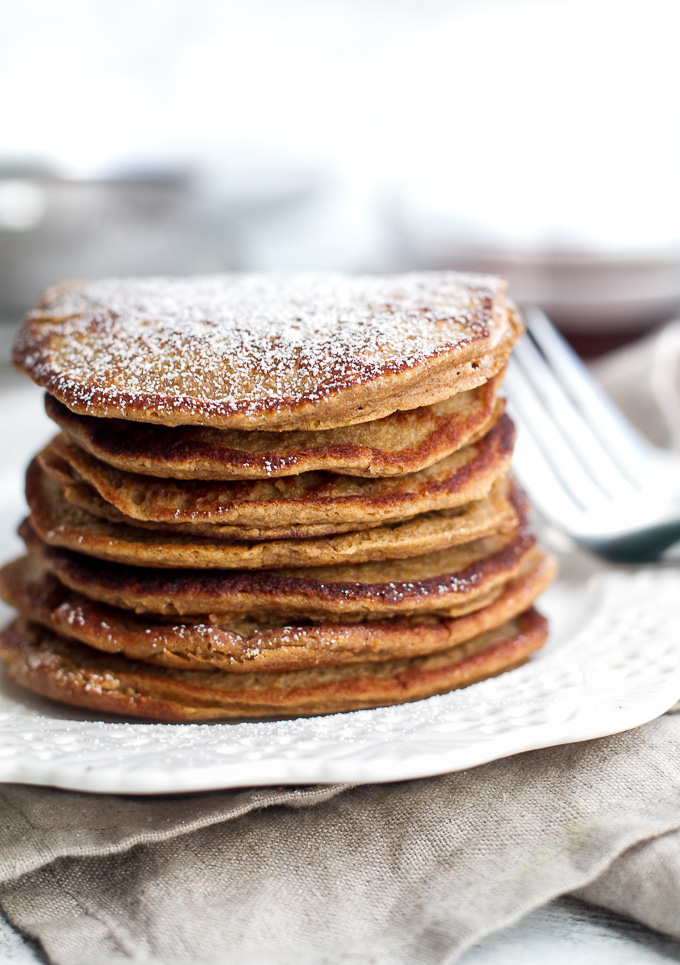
(626, 447)
(565, 466)
(547, 493)
(578, 433)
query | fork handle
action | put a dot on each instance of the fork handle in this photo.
(646, 546)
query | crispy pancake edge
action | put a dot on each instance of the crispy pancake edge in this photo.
(292, 592)
(313, 499)
(184, 452)
(246, 647)
(61, 524)
(75, 674)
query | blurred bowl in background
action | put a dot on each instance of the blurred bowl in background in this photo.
(585, 287)
(581, 291)
(54, 228)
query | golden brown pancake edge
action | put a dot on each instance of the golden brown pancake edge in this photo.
(308, 499)
(80, 676)
(403, 442)
(61, 524)
(245, 645)
(446, 581)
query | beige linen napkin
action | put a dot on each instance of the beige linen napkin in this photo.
(403, 873)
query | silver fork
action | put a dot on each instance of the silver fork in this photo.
(587, 470)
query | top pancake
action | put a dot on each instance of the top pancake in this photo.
(265, 351)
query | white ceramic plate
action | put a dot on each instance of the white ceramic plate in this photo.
(613, 663)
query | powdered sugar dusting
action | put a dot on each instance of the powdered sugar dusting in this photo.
(247, 342)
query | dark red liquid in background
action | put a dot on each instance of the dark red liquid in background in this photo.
(589, 346)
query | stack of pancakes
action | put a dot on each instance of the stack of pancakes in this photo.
(271, 496)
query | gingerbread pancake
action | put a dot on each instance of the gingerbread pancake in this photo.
(399, 443)
(247, 645)
(61, 524)
(313, 498)
(453, 581)
(107, 683)
(266, 351)
(81, 495)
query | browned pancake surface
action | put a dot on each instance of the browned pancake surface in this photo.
(399, 443)
(59, 523)
(76, 674)
(313, 498)
(246, 645)
(83, 496)
(453, 581)
(263, 351)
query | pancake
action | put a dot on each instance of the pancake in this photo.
(59, 523)
(313, 498)
(106, 683)
(81, 496)
(245, 645)
(453, 581)
(399, 443)
(266, 351)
